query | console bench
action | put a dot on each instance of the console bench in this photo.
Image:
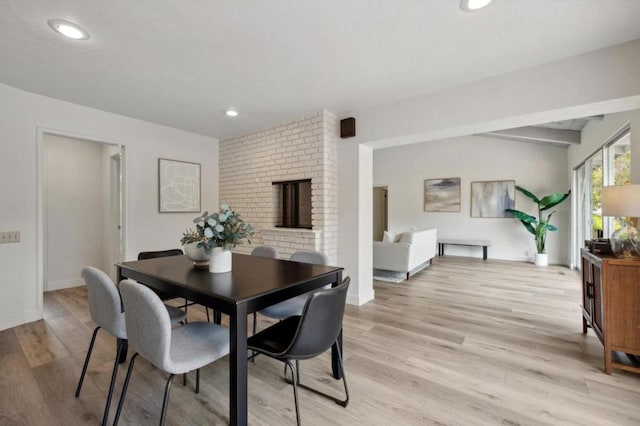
(463, 242)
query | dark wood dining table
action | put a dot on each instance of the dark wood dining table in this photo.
(253, 284)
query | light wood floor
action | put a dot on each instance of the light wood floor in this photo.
(464, 342)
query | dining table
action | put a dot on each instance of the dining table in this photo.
(254, 283)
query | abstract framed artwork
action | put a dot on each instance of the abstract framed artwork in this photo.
(491, 198)
(178, 186)
(442, 195)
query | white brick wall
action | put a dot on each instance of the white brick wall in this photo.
(301, 149)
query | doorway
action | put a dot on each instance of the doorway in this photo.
(380, 212)
(82, 208)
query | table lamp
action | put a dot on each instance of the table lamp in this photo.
(623, 201)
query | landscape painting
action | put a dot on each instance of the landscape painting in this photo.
(442, 195)
(490, 199)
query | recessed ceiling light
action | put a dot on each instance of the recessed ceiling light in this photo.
(473, 5)
(231, 113)
(69, 29)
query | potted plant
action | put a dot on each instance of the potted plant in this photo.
(539, 226)
(214, 237)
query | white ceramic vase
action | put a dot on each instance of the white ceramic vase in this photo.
(542, 259)
(220, 260)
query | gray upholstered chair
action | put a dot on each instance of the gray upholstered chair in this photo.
(106, 311)
(174, 351)
(294, 305)
(306, 336)
(265, 251)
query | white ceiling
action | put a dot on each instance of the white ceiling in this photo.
(182, 63)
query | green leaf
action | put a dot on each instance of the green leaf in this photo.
(528, 194)
(551, 227)
(529, 227)
(553, 200)
(524, 217)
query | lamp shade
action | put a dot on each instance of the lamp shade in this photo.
(621, 201)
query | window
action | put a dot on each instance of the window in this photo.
(610, 165)
(294, 203)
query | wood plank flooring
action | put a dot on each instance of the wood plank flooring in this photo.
(463, 342)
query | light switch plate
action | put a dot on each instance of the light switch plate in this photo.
(10, 237)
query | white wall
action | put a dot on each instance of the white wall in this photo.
(75, 210)
(21, 115)
(539, 168)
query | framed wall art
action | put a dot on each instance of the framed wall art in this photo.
(491, 198)
(178, 186)
(442, 195)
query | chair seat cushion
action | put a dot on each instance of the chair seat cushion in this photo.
(195, 345)
(275, 339)
(286, 309)
(176, 314)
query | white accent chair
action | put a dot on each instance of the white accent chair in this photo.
(406, 251)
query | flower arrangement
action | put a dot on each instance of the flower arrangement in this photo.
(224, 229)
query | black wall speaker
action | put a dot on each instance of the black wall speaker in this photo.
(348, 128)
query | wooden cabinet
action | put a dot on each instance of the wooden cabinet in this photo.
(611, 306)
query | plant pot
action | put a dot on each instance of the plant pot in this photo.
(220, 260)
(542, 259)
(197, 254)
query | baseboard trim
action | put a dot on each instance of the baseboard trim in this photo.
(62, 284)
(18, 319)
(360, 300)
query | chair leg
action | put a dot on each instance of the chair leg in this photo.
(184, 379)
(165, 401)
(344, 379)
(114, 374)
(124, 389)
(198, 380)
(207, 309)
(295, 390)
(186, 310)
(86, 361)
(342, 402)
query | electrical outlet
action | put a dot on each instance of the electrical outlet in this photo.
(10, 237)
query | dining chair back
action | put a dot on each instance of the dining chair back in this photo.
(104, 302)
(307, 256)
(265, 251)
(148, 324)
(161, 253)
(320, 323)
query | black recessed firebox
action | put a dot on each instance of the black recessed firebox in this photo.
(294, 203)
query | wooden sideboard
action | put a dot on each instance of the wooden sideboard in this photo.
(611, 306)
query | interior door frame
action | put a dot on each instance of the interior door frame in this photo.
(42, 132)
(386, 204)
